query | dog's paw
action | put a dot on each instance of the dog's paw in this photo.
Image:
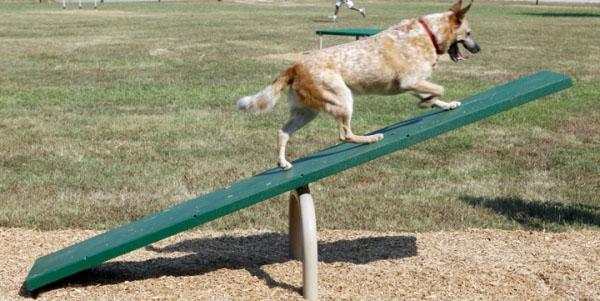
(453, 105)
(285, 164)
(377, 137)
(372, 138)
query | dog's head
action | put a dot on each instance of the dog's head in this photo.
(461, 32)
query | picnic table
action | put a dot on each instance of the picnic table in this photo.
(356, 32)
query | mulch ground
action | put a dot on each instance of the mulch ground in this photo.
(353, 265)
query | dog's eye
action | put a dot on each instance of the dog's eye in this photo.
(468, 33)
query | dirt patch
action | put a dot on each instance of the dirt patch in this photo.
(87, 12)
(179, 52)
(291, 57)
(253, 265)
(279, 3)
(553, 5)
(518, 48)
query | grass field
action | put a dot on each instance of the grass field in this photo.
(108, 115)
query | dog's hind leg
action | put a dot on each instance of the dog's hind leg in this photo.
(341, 110)
(299, 118)
(429, 94)
(347, 135)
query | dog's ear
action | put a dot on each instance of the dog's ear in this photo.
(456, 7)
(464, 11)
(458, 12)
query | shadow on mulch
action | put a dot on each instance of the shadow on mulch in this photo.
(537, 215)
(237, 252)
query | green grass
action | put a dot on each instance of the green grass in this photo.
(109, 115)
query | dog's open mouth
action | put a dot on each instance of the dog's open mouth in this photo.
(455, 54)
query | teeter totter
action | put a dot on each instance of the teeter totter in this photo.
(302, 228)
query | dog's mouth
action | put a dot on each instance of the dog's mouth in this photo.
(456, 55)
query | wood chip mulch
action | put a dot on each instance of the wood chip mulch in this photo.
(472, 264)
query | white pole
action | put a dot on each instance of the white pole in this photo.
(310, 287)
(64, 4)
(303, 239)
(95, 4)
(79, 4)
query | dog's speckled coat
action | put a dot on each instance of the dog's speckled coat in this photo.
(399, 59)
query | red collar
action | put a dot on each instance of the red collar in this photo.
(431, 36)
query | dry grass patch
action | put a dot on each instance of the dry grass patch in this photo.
(585, 130)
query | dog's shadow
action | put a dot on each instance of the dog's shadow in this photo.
(204, 255)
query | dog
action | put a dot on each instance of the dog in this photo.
(397, 60)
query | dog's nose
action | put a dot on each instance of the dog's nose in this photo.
(472, 48)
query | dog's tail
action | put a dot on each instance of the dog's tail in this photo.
(266, 99)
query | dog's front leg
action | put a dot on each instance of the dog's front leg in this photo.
(429, 93)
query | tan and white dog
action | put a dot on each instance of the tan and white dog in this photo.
(398, 59)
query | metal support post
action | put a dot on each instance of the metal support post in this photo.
(303, 239)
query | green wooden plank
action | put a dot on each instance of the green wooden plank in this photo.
(358, 32)
(244, 193)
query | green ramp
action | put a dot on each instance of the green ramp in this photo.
(126, 238)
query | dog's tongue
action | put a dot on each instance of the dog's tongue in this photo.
(459, 55)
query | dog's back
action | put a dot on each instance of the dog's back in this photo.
(383, 64)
